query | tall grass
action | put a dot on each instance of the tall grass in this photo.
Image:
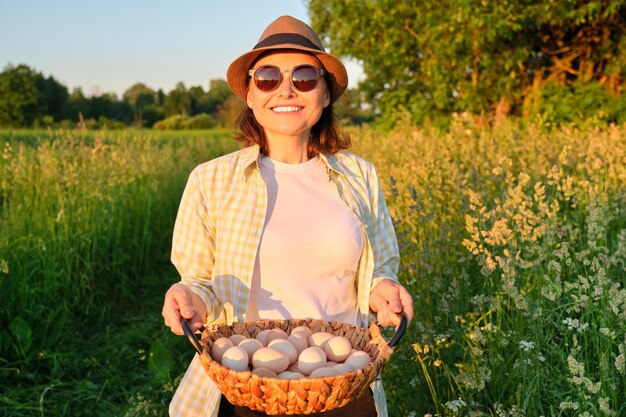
(513, 243)
(86, 221)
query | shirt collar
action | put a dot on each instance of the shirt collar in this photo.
(252, 154)
(333, 163)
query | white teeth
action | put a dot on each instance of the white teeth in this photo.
(286, 109)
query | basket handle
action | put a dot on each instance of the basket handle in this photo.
(190, 336)
(399, 331)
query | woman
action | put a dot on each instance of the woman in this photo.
(291, 226)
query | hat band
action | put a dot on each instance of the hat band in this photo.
(287, 38)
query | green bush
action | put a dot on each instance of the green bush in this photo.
(174, 122)
(183, 122)
(199, 121)
(577, 104)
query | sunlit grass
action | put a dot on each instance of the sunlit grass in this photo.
(513, 243)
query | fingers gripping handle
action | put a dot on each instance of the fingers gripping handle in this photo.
(190, 336)
(399, 331)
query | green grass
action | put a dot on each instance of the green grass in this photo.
(513, 243)
(86, 220)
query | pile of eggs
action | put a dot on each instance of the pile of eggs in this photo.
(300, 354)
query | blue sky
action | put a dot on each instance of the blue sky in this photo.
(106, 46)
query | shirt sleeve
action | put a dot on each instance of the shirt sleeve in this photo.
(193, 244)
(382, 235)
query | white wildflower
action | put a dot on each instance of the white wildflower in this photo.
(526, 346)
(456, 405)
(569, 405)
(605, 407)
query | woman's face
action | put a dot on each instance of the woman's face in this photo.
(287, 111)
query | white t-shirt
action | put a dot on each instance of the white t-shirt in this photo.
(309, 249)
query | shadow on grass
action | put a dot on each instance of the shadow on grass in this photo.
(126, 366)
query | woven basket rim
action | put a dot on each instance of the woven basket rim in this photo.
(273, 395)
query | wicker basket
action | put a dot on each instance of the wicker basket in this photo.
(295, 396)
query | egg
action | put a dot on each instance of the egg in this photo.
(236, 358)
(299, 341)
(275, 334)
(220, 346)
(302, 329)
(262, 336)
(294, 367)
(310, 359)
(270, 358)
(342, 367)
(286, 348)
(319, 339)
(337, 348)
(264, 372)
(236, 338)
(358, 360)
(324, 371)
(290, 375)
(250, 346)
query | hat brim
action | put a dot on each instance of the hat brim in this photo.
(336, 74)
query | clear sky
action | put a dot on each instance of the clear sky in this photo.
(107, 46)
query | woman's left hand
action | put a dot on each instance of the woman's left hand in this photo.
(388, 299)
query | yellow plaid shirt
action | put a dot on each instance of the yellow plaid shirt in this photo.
(216, 237)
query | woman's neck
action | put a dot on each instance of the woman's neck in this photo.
(289, 149)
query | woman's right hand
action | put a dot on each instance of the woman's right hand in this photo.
(180, 302)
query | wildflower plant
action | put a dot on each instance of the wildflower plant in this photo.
(513, 245)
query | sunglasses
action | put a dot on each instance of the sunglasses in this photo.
(303, 78)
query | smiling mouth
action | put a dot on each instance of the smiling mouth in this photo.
(286, 109)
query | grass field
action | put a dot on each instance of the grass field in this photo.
(513, 243)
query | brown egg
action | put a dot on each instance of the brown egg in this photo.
(310, 359)
(236, 338)
(324, 371)
(337, 348)
(290, 375)
(302, 329)
(286, 348)
(236, 358)
(319, 339)
(358, 360)
(262, 336)
(264, 372)
(294, 367)
(220, 346)
(250, 346)
(270, 358)
(275, 334)
(299, 341)
(342, 367)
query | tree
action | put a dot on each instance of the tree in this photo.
(18, 96)
(228, 112)
(138, 96)
(178, 101)
(52, 97)
(76, 105)
(474, 55)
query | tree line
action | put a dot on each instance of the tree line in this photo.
(30, 99)
(563, 60)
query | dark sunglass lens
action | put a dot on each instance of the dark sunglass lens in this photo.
(304, 78)
(267, 78)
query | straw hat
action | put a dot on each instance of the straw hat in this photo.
(287, 32)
